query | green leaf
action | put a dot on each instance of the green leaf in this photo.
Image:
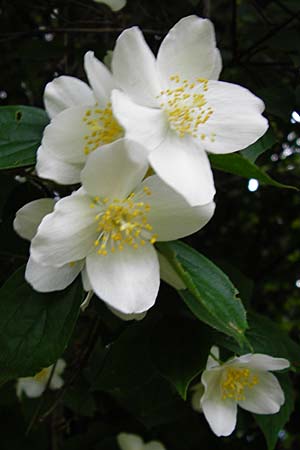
(272, 424)
(265, 336)
(35, 328)
(127, 362)
(130, 377)
(238, 164)
(210, 294)
(21, 129)
(259, 147)
(79, 400)
(186, 344)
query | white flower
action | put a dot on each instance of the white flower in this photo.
(82, 121)
(114, 5)
(128, 441)
(35, 386)
(175, 106)
(243, 381)
(112, 223)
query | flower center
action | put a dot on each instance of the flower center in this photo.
(235, 382)
(123, 222)
(186, 106)
(42, 375)
(103, 128)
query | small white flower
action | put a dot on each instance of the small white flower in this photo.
(114, 5)
(243, 381)
(176, 108)
(112, 223)
(128, 441)
(82, 121)
(35, 386)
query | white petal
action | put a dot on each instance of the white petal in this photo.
(127, 317)
(170, 215)
(48, 279)
(148, 126)
(127, 280)
(50, 167)
(60, 366)
(64, 92)
(114, 5)
(67, 234)
(220, 414)
(154, 445)
(64, 137)
(30, 216)
(212, 360)
(85, 280)
(188, 50)
(128, 441)
(198, 391)
(114, 170)
(134, 67)
(31, 387)
(236, 120)
(266, 397)
(185, 168)
(168, 274)
(99, 78)
(56, 382)
(217, 66)
(259, 361)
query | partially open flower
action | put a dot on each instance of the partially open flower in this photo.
(35, 386)
(112, 223)
(177, 109)
(243, 381)
(128, 441)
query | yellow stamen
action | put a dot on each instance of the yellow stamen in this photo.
(103, 128)
(235, 381)
(186, 106)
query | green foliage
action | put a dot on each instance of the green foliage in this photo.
(237, 164)
(21, 129)
(266, 337)
(180, 348)
(210, 294)
(35, 328)
(271, 425)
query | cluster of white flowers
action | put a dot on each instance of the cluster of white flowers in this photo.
(163, 114)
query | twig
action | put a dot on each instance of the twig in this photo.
(250, 51)
(20, 34)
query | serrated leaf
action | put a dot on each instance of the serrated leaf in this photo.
(237, 164)
(21, 129)
(210, 294)
(272, 424)
(179, 350)
(35, 328)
